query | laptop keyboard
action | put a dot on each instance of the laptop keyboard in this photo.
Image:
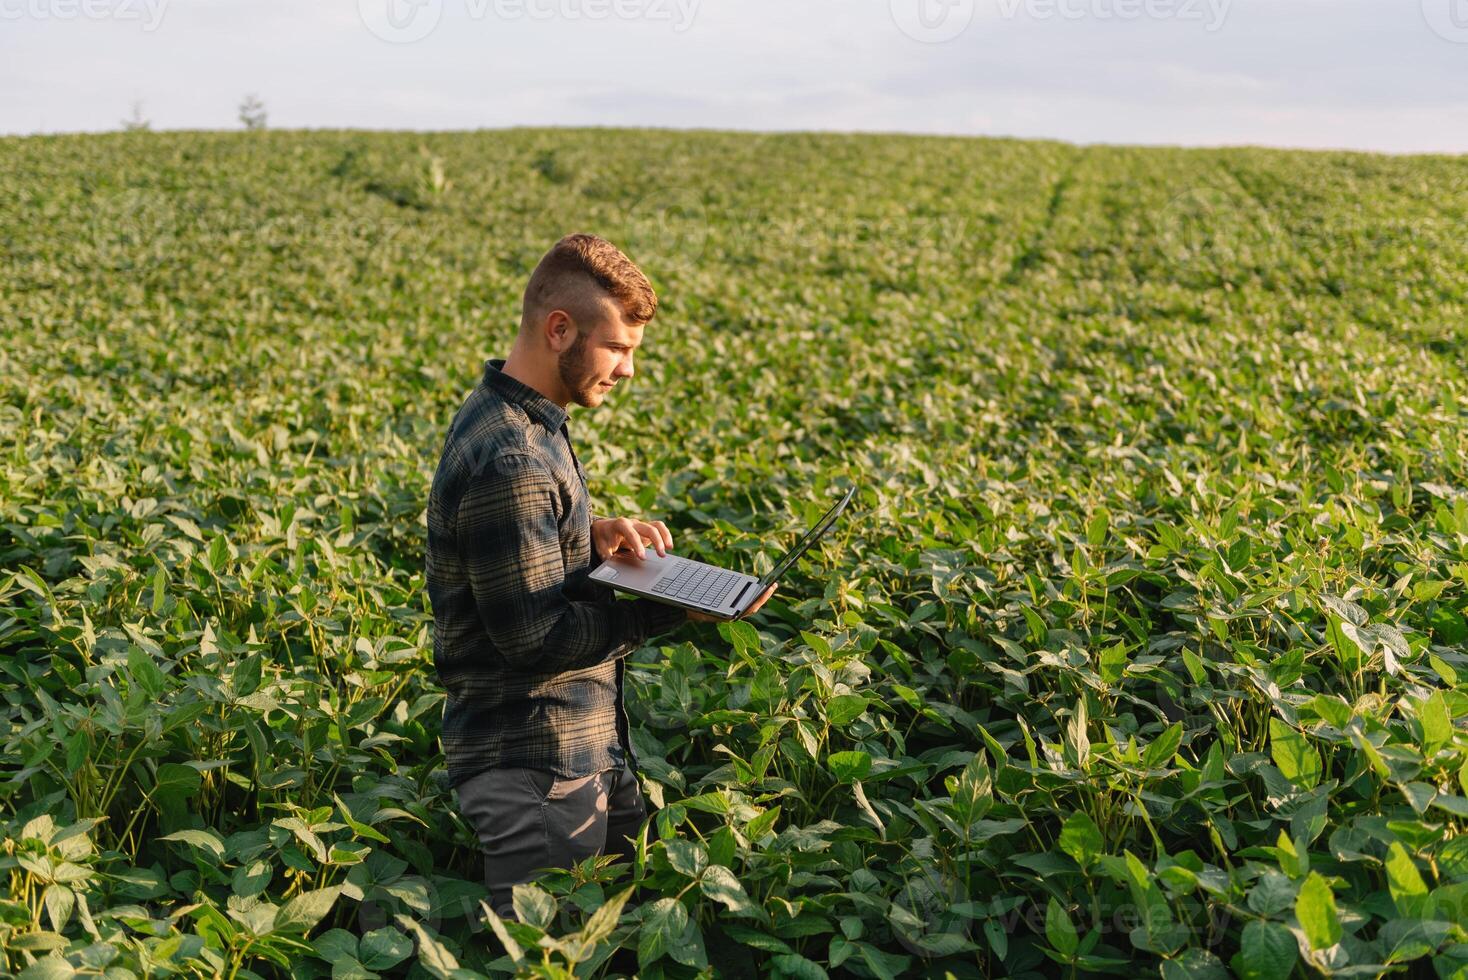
(702, 584)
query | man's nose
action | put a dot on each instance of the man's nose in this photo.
(624, 368)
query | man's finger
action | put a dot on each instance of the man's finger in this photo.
(754, 607)
(667, 535)
(629, 534)
(652, 534)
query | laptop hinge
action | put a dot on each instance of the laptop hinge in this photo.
(735, 603)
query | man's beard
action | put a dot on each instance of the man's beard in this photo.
(575, 377)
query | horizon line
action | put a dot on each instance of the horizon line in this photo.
(712, 130)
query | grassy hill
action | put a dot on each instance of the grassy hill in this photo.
(1143, 648)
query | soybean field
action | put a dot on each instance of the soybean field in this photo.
(1141, 650)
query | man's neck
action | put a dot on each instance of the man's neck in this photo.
(520, 367)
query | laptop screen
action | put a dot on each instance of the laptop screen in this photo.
(810, 538)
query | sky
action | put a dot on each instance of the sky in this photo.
(1385, 75)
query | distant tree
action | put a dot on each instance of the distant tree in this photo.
(252, 113)
(136, 123)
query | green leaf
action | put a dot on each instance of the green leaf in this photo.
(177, 782)
(722, 846)
(433, 956)
(1332, 709)
(203, 840)
(144, 671)
(663, 924)
(868, 811)
(1059, 930)
(1194, 964)
(1113, 663)
(60, 902)
(533, 904)
(743, 637)
(719, 884)
(246, 676)
(1293, 861)
(1436, 721)
(763, 824)
(1081, 838)
(1293, 754)
(755, 937)
(218, 553)
(1408, 890)
(382, 949)
(688, 949)
(998, 937)
(251, 880)
(335, 944)
(818, 643)
(304, 834)
(604, 919)
(1316, 911)
(357, 827)
(849, 766)
(1452, 857)
(798, 967)
(301, 913)
(498, 927)
(160, 589)
(687, 857)
(887, 966)
(1039, 633)
(1444, 670)
(1163, 747)
(843, 709)
(52, 967)
(1268, 952)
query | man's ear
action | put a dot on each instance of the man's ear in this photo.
(560, 330)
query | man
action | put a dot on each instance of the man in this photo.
(529, 652)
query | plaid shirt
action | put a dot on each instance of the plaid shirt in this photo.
(528, 649)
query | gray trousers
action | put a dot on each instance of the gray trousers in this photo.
(528, 819)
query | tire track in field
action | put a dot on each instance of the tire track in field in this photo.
(922, 353)
(1030, 255)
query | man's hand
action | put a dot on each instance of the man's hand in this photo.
(613, 534)
(699, 617)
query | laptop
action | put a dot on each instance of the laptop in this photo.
(718, 592)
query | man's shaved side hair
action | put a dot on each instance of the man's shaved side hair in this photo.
(576, 271)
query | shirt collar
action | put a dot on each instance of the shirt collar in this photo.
(539, 407)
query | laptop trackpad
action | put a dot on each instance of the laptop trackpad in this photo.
(631, 573)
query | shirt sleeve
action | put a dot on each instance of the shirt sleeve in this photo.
(509, 542)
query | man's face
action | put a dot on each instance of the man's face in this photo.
(600, 356)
